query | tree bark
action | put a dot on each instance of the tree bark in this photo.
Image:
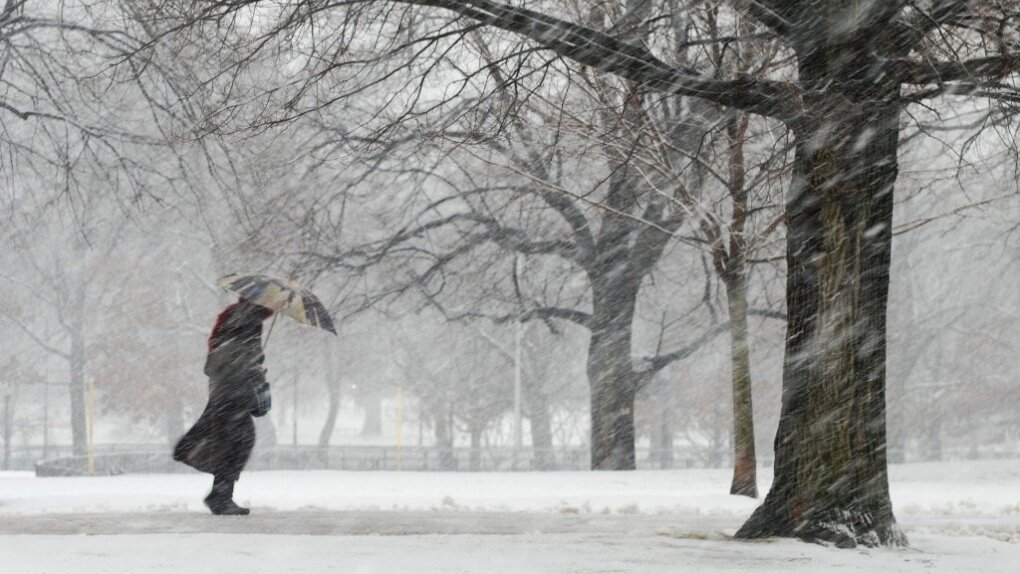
(611, 376)
(831, 480)
(731, 264)
(744, 461)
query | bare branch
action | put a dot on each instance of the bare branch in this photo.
(606, 53)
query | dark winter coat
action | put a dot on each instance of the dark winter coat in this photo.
(222, 439)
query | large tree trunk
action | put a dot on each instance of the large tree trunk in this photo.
(831, 480)
(611, 376)
(744, 461)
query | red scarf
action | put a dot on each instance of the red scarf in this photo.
(240, 311)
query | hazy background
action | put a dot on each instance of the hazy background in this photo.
(115, 226)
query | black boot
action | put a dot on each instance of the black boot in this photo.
(221, 499)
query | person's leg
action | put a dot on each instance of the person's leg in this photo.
(221, 498)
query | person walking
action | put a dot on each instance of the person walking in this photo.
(221, 440)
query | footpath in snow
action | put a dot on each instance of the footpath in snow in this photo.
(960, 517)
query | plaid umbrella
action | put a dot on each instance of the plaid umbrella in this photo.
(282, 296)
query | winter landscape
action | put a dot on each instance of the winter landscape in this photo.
(509, 286)
(960, 518)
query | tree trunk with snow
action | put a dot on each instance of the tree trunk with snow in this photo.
(611, 372)
(831, 480)
(745, 480)
(731, 265)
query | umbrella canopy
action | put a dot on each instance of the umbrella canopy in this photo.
(282, 296)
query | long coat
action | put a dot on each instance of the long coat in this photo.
(222, 439)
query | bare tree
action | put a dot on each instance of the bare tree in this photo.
(856, 66)
(628, 211)
(334, 387)
(461, 380)
(735, 229)
(61, 288)
(614, 233)
(69, 114)
(149, 338)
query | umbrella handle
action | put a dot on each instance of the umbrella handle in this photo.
(270, 332)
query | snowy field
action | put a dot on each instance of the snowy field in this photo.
(960, 517)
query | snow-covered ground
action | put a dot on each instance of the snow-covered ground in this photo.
(960, 517)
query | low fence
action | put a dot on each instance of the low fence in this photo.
(126, 458)
(149, 459)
